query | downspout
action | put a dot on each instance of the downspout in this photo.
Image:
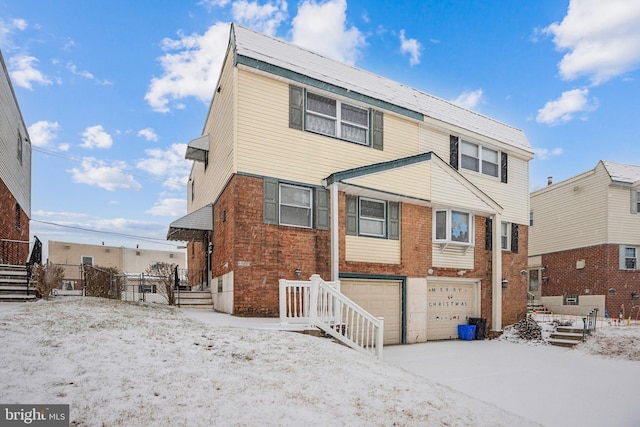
(335, 237)
(496, 276)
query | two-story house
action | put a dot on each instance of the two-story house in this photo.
(310, 166)
(15, 176)
(584, 242)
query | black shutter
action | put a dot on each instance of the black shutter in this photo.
(503, 167)
(377, 128)
(296, 104)
(453, 151)
(514, 238)
(270, 201)
(488, 233)
(352, 215)
(394, 220)
(322, 208)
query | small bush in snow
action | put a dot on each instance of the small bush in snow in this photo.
(47, 278)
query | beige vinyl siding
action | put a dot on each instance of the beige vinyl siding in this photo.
(220, 127)
(368, 249)
(268, 147)
(512, 196)
(570, 214)
(452, 256)
(412, 181)
(433, 140)
(623, 226)
(416, 310)
(447, 192)
(16, 176)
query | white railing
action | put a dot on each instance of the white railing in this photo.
(321, 304)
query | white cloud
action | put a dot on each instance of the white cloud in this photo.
(96, 137)
(266, 18)
(322, 27)
(545, 153)
(148, 134)
(566, 107)
(169, 207)
(210, 4)
(167, 163)
(24, 73)
(6, 28)
(469, 99)
(64, 147)
(20, 24)
(87, 75)
(190, 72)
(99, 173)
(602, 39)
(42, 133)
(410, 46)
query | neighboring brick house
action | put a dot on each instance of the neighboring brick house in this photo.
(584, 242)
(15, 176)
(310, 166)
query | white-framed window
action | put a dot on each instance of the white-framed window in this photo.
(335, 118)
(628, 257)
(479, 159)
(635, 201)
(505, 236)
(295, 206)
(453, 226)
(373, 217)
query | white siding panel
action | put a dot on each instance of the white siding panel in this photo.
(416, 310)
(447, 192)
(624, 226)
(220, 126)
(412, 181)
(435, 141)
(367, 249)
(268, 147)
(571, 214)
(453, 256)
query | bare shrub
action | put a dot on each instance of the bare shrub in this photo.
(162, 274)
(47, 277)
(102, 282)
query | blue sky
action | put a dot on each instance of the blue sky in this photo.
(112, 91)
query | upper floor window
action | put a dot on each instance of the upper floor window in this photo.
(635, 201)
(295, 206)
(336, 118)
(332, 117)
(453, 226)
(18, 209)
(480, 159)
(530, 218)
(628, 257)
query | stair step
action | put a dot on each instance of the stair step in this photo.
(12, 281)
(567, 336)
(16, 297)
(22, 272)
(11, 288)
(569, 330)
(563, 343)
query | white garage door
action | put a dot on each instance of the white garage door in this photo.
(381, 298)
(449, 305)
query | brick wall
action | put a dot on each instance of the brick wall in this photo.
(10, 252)
(601, 273)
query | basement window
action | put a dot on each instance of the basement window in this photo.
(570, 300)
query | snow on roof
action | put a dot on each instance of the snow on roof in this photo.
(281, 54)
(621, 172)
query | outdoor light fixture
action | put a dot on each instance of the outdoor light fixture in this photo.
(298, 273)
(505, 282)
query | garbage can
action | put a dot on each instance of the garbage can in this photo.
(466, 332)
(481, 326)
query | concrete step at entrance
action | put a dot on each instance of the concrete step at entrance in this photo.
(195, 299)
(13, 284)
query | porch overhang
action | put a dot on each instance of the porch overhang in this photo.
(198, 149)
(192, 227)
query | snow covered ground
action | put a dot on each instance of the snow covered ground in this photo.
(132, 364)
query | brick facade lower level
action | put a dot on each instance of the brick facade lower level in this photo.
(14, 229)
(601, 275)
(260, 254)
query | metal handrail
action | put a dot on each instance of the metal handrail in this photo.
(589, 323)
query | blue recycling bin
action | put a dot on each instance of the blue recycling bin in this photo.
(467, 332)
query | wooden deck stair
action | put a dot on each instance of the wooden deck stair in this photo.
(14, 284)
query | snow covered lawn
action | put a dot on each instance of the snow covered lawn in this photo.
(130, 364)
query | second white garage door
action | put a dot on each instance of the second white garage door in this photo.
(381, 298)
(449, 305)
